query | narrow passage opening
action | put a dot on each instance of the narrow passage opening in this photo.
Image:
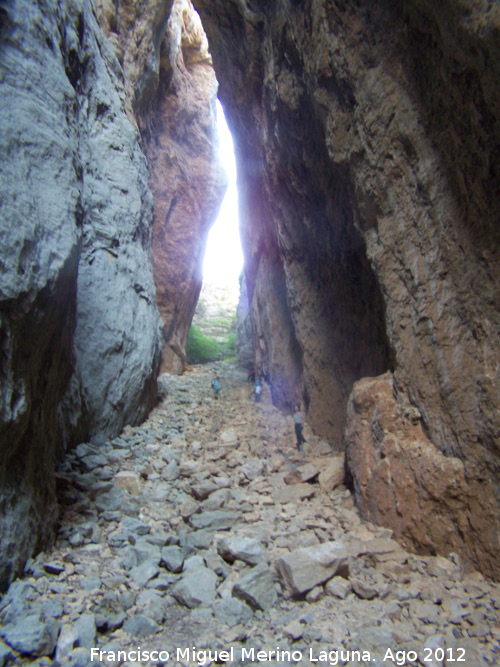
(213, 331)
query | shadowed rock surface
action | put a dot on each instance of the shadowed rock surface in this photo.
(367, 149)
(80, 331)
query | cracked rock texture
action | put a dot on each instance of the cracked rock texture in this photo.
(171, 92)
(367, 148)
(80, 332)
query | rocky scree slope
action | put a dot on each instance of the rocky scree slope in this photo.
(206, 527)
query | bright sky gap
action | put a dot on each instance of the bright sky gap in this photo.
(223, 256)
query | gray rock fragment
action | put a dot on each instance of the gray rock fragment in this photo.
(216, 520)
(140, 626)
(172, 558)
(197, 587)
(85, 630)
(338, 587)
(32, 635)
(257, 588)
(243, 548)
(142, 573)
(303, 569)
(231, 611)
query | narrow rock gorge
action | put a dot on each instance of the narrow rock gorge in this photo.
(367, 145)
(367, 148)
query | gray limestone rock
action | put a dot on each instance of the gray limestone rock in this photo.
(90, 583)
(172, 558)
(116, 499)
(257, 588)
(140, 626)
(85, 630)
(303, 569)
(152, 604)
(142, 573)
(197, 587)
(244, 337)
(231, 611)
(76, 268)
(6, 654)
(239, 547)
(118, 333)
(109, 614)
(39, 253)
(216, 520)
(338, 587)
(133, 525)
(203, 489)
(32, 635)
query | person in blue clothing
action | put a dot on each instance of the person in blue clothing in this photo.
(257, 390)
(216, 387)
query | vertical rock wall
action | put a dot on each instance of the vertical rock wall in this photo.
(186, 179)
(244, 337)
(171, 94)
(367, 138)
(39, 251)
(79, 329)
(118, 334)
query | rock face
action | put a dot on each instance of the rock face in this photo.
(171, 92)
(80, 331)
(118, 333)
(40, 219)
(177, 118)
(244, 336)
(403, 482)
(367, 156)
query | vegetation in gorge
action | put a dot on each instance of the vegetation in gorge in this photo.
(203, 348)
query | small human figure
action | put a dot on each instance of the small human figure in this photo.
(257, 390)
(251, 376)
(299, 424)
(216, 387)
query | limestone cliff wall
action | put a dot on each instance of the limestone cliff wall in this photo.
(367, 147)
(171, 94)
(79, 328)
(186, 178)
(244, 336)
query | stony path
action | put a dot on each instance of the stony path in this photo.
(205, 530)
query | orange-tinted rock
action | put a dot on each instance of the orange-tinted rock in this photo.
(185, 177)
(402, 481)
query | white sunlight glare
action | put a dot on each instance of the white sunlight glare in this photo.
(223, 256)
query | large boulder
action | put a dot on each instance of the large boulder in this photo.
(303, 569)
(402, 481)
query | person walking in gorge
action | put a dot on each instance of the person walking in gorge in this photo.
(216, 387)
(299, 424)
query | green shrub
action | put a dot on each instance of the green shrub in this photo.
(200, 348)
(228, 347)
